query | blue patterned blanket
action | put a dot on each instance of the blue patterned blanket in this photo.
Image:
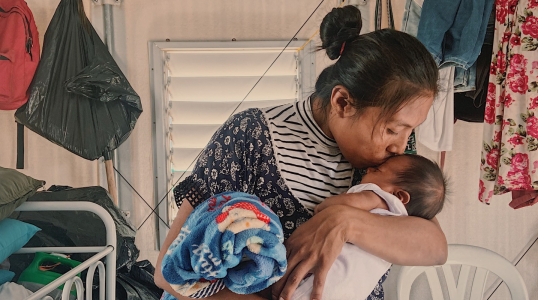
(231, 240)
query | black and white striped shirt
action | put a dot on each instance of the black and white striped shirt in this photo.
(298, 169)
(308, 160)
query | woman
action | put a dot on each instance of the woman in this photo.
(295, 156)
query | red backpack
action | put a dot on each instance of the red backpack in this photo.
(19, 52)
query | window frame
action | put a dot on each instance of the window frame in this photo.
(158, 52)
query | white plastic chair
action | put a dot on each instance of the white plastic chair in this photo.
(468, 257)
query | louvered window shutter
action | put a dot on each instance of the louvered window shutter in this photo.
(203, 84)
(206, 86)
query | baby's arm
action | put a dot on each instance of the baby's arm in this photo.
(365, 200)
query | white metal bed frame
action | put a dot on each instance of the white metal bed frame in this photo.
(107, 276)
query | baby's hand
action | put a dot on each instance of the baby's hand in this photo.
(342, 199)
(365, 200)
(333, 200)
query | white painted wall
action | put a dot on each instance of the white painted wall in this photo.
(464, 219)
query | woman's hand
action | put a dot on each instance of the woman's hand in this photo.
(313, 248)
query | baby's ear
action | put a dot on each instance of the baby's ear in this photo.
(403, 196)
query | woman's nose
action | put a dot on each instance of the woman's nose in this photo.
(398, 147)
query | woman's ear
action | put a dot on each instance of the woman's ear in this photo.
(403, 196)
(341, 102)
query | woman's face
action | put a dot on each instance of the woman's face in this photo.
(366, 141)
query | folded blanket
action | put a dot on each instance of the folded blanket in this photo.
(232, 240)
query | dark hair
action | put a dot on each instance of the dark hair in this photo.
(384, 68)
(425, 183)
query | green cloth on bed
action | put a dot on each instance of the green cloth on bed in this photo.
(15, 188)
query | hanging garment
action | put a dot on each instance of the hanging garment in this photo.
(470, 106)
(453, 32)
(437, 131)
(470, 80)
(411, 17)
(522, 198)
(509, 155)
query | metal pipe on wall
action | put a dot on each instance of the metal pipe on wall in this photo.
(108, 36)
(109, 32)
(109, 42)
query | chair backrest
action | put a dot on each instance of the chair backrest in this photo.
(467, 256)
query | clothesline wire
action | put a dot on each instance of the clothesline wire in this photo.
(311, 38)
(132, 187)
(244, 98)
(515, 264)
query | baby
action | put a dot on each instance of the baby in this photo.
(404, 185)
(413, 179)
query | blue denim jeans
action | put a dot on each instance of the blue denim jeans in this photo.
(411, 17)
(453, 30)
(465, 80)
(447, 41)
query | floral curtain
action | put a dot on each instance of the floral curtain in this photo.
(510, 145)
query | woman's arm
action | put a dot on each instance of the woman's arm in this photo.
(314, 246)
(184, 211)
(402, 240)
(182, 215)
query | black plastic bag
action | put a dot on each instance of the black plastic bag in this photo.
(79, 97)
(78, 228)
(129, 289)
(144, 272)
(138, 283)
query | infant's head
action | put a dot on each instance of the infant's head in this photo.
(417, 181)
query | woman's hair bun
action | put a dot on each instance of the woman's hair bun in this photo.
(338, 26)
